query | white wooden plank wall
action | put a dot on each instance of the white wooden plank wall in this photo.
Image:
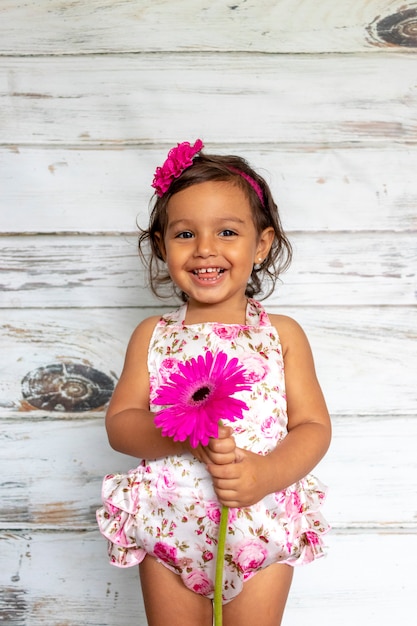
(322, 97)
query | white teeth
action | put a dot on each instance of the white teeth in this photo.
(207, 270)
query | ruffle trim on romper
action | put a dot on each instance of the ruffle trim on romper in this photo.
(295, 510)
(305, 524)
(116, 518)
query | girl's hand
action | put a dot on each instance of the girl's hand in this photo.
(241, 482)
(220, 450)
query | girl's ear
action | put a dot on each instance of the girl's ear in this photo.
(160, 244)
(265, 241)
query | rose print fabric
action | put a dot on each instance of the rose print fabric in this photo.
(167, 507)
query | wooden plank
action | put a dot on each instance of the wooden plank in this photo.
(105, 267)
(64, 578)
(77, 586)
(165, 98)
(338, 590)
(92, 271)
(371, 471)
(361, 355)
(68, 460)
(95, 338)
(365, 357)
(368, 470)
(49, 27)
(322, 188)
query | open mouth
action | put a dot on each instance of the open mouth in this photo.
(208, 273)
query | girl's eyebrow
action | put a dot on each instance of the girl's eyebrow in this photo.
(186, 221)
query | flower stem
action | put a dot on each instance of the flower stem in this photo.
(218, 582)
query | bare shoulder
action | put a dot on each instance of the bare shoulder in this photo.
(290, 332)
(141, 336)
(145, 328)
(132, 389)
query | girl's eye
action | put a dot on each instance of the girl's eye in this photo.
(186, 234)
(227, 233)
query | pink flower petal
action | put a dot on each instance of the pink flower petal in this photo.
(178, 159)
(188, 414)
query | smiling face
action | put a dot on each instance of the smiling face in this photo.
(211, 244)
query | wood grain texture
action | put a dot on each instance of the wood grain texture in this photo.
(77, 586)
(365, 357)
(70, 457)
(91, 271)
(318, 188)
(161, 99)
(56, 27)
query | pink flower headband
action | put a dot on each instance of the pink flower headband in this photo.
(252, 182)
(179, 159)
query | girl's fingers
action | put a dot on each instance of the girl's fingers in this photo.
(222, 446)
(224, 432)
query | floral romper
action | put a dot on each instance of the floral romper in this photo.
(168, 508)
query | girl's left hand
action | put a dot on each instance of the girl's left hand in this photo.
(241, 482)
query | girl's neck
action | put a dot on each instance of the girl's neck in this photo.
(199, 313)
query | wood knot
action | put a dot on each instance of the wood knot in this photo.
(67, 387)
(398, 29)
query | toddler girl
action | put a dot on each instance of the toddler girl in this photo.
(215, 237)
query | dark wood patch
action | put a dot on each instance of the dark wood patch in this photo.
(398, 29)
(67, 387)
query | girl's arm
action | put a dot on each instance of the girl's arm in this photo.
(252, 476)
(129, 423)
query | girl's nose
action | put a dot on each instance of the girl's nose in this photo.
(205, 246)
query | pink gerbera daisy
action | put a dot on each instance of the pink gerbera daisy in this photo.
(199, 395)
